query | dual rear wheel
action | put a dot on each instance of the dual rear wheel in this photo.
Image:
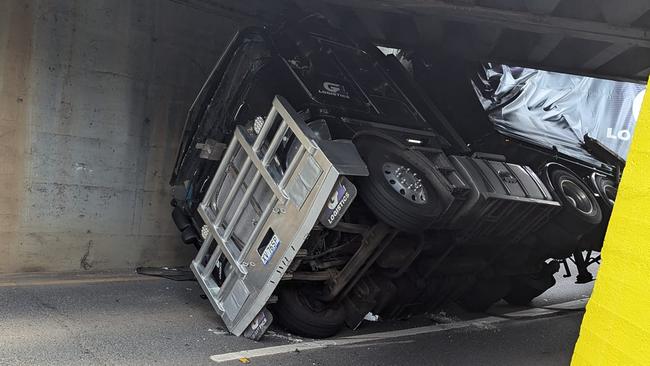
(580, 215)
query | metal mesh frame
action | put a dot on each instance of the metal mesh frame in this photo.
(299, 194)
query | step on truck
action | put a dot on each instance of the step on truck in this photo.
(320, 184)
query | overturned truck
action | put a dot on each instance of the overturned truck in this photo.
(319, 183)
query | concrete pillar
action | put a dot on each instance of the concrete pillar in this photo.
(15, 59)
(616, 327)
(93, 96)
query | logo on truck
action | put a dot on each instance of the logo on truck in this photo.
(341, 198)
(338, 199)
(334, 89)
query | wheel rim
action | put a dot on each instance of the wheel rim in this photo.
(610, 193)
(405, 181)
(577, 196)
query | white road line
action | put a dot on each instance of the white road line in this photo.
(269, 351)
(551, 309)
(276, 350)
(75, 281)
(570, 305)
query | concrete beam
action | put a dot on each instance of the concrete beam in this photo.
(541, 6)
(606, 55)
(431, 33)
(623, 12)
(221, 8)
(322, 8)
(576, 28)
(370, 21)
(544, 47)
(488, 39)
(644, 73)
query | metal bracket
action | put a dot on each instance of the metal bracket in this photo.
(211, 149)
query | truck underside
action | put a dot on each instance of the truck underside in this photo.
(319, 181)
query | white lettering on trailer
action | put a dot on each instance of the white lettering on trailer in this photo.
(620, 135)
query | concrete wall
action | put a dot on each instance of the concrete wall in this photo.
(93, 96)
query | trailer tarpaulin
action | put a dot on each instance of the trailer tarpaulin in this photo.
(555, 110)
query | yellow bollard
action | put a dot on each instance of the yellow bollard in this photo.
(616, 326)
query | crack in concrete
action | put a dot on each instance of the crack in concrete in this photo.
(84, 263)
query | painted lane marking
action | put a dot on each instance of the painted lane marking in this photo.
(57, 282)
(374, 337)
(547, 310)
(570, 305)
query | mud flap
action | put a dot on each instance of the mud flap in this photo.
(340, 200)
(259, 325)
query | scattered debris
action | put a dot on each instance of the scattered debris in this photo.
(245, 360)
(288, 336)
(483, 326)
(218, 331)
(441, 317)
(170, 273)
(371, 317)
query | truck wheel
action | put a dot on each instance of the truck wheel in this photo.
(398, 190)
(484, 293)
(607, 190)
(581, 211)
(525, 289)
(579, 216)
(303, 315)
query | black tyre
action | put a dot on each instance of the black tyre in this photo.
(300, 313)
(580, 215)
(399, 189)
(607, 189)
(525, 289)
(484, 293)
(581, 211)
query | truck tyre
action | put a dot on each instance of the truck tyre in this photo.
(303, 315)
(607, 189)
(579, 216)
(525, 289)
(484, 293)
(399, 189)
(581, 211)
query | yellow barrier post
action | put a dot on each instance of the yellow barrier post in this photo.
(616, 326)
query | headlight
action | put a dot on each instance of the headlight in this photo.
(258, 124)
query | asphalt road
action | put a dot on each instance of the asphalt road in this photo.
(118, 319)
